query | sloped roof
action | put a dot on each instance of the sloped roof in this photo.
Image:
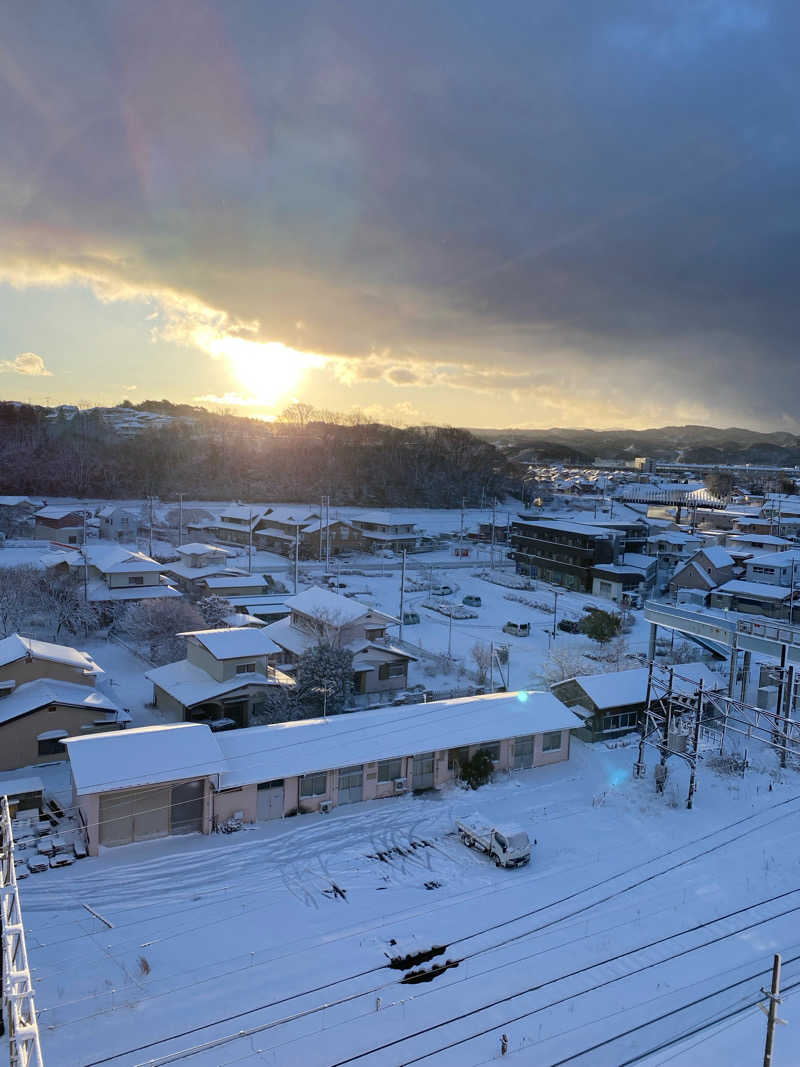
(333, 607)
(43, 691)
(717, 556)
(16, 647)
(191, 685)
(122, 759)
(620, 689)
(232, 642)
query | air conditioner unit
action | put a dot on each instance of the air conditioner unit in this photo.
(325, 805)
(401, 785)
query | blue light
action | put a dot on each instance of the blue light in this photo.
(522, 696)
(618, 777)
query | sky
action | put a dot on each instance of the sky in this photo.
(513, 214)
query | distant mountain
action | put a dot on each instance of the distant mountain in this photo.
(680, 444)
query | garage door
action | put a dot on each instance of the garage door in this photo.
(423, 771)
(134, 815)
(187, 808)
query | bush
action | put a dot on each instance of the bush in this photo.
(601, 626)
(477, 770)
(569, 626)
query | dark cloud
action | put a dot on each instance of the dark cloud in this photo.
(603, 190)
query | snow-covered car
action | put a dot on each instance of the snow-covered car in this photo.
(517, 629)
(442, 590)
(472, 601)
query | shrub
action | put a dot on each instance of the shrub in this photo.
(601, 626)
(477, 770)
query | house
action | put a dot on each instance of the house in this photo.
(159, 780)
(113, 573)
(118, 523)
(756, 544)
(754, 598)
(47, 693)
(145, 783)
(197, 562)
(265, 608)
(318, 615)
(62, 524)
(226, 585)
(235, 526)
(223, 680)
(707, 569)
(377, 530)
(609, 705)
(775, 568)
(16, 515)
(562, 552)
(671, 549)
(625, 581)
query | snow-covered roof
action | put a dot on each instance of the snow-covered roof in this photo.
(233, 642)
(586, 529)
(333, 607)
(381, 518)
(15, 787)
(283, 750)
(717, 556)
(240, 618)
(776, 559)
(16, 647)
(212, 570)
(758, 590)
(54, 512)
(759, 539)
(191, 685)
(43, 691)
(197, 548)
(233, 581)
(620, 689)
(674, 537)
(17, 501)
(147, 755)
(289, 637)
(99, 592)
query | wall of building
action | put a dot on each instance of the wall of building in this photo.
(18, 738)
(231, 801)
(172, 708)
(21, 671)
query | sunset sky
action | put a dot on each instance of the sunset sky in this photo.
(514, 214)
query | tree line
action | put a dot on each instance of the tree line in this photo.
(219, 456)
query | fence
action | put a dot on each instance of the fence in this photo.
(19, 1009)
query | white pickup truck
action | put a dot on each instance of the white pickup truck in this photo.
(508, 846)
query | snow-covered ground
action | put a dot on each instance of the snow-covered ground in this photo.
(637, 922)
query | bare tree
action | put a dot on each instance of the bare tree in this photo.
(19, 591)
(482, 657)
(156, 624)
(564, 661)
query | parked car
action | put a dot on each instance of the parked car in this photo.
(508, 846)
(472, 601)
(568, 626)
(442, 590)
(517, 629)
(410, 618)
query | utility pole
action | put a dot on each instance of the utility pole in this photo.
(321, 519)
(402, 593)
(772, 1011)
(250, 544)
(695, 743)
(180, 518)
(555, 611)
(327, 534)
(787, 712)
(296, 555)
(150, 534)
(85, 562)
(494, 510)
(450, 636)
(491, 668)
(640, 768)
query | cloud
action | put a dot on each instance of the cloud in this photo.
(608, 210)
(25, 363)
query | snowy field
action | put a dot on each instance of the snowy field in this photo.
(637, 926)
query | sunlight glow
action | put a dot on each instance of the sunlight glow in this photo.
(268, 370)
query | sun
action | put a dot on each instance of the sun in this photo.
(269, 371)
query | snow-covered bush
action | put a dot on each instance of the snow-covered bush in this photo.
(155, 624)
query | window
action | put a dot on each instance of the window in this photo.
(135, 579)
(493, 750)
(245, 668)
(51, 746)
(624, 721)
(314, 785)
(551, 742)
(457, 757)
(373, 635)
(391, 670)
(389, 769)
(523, 753)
